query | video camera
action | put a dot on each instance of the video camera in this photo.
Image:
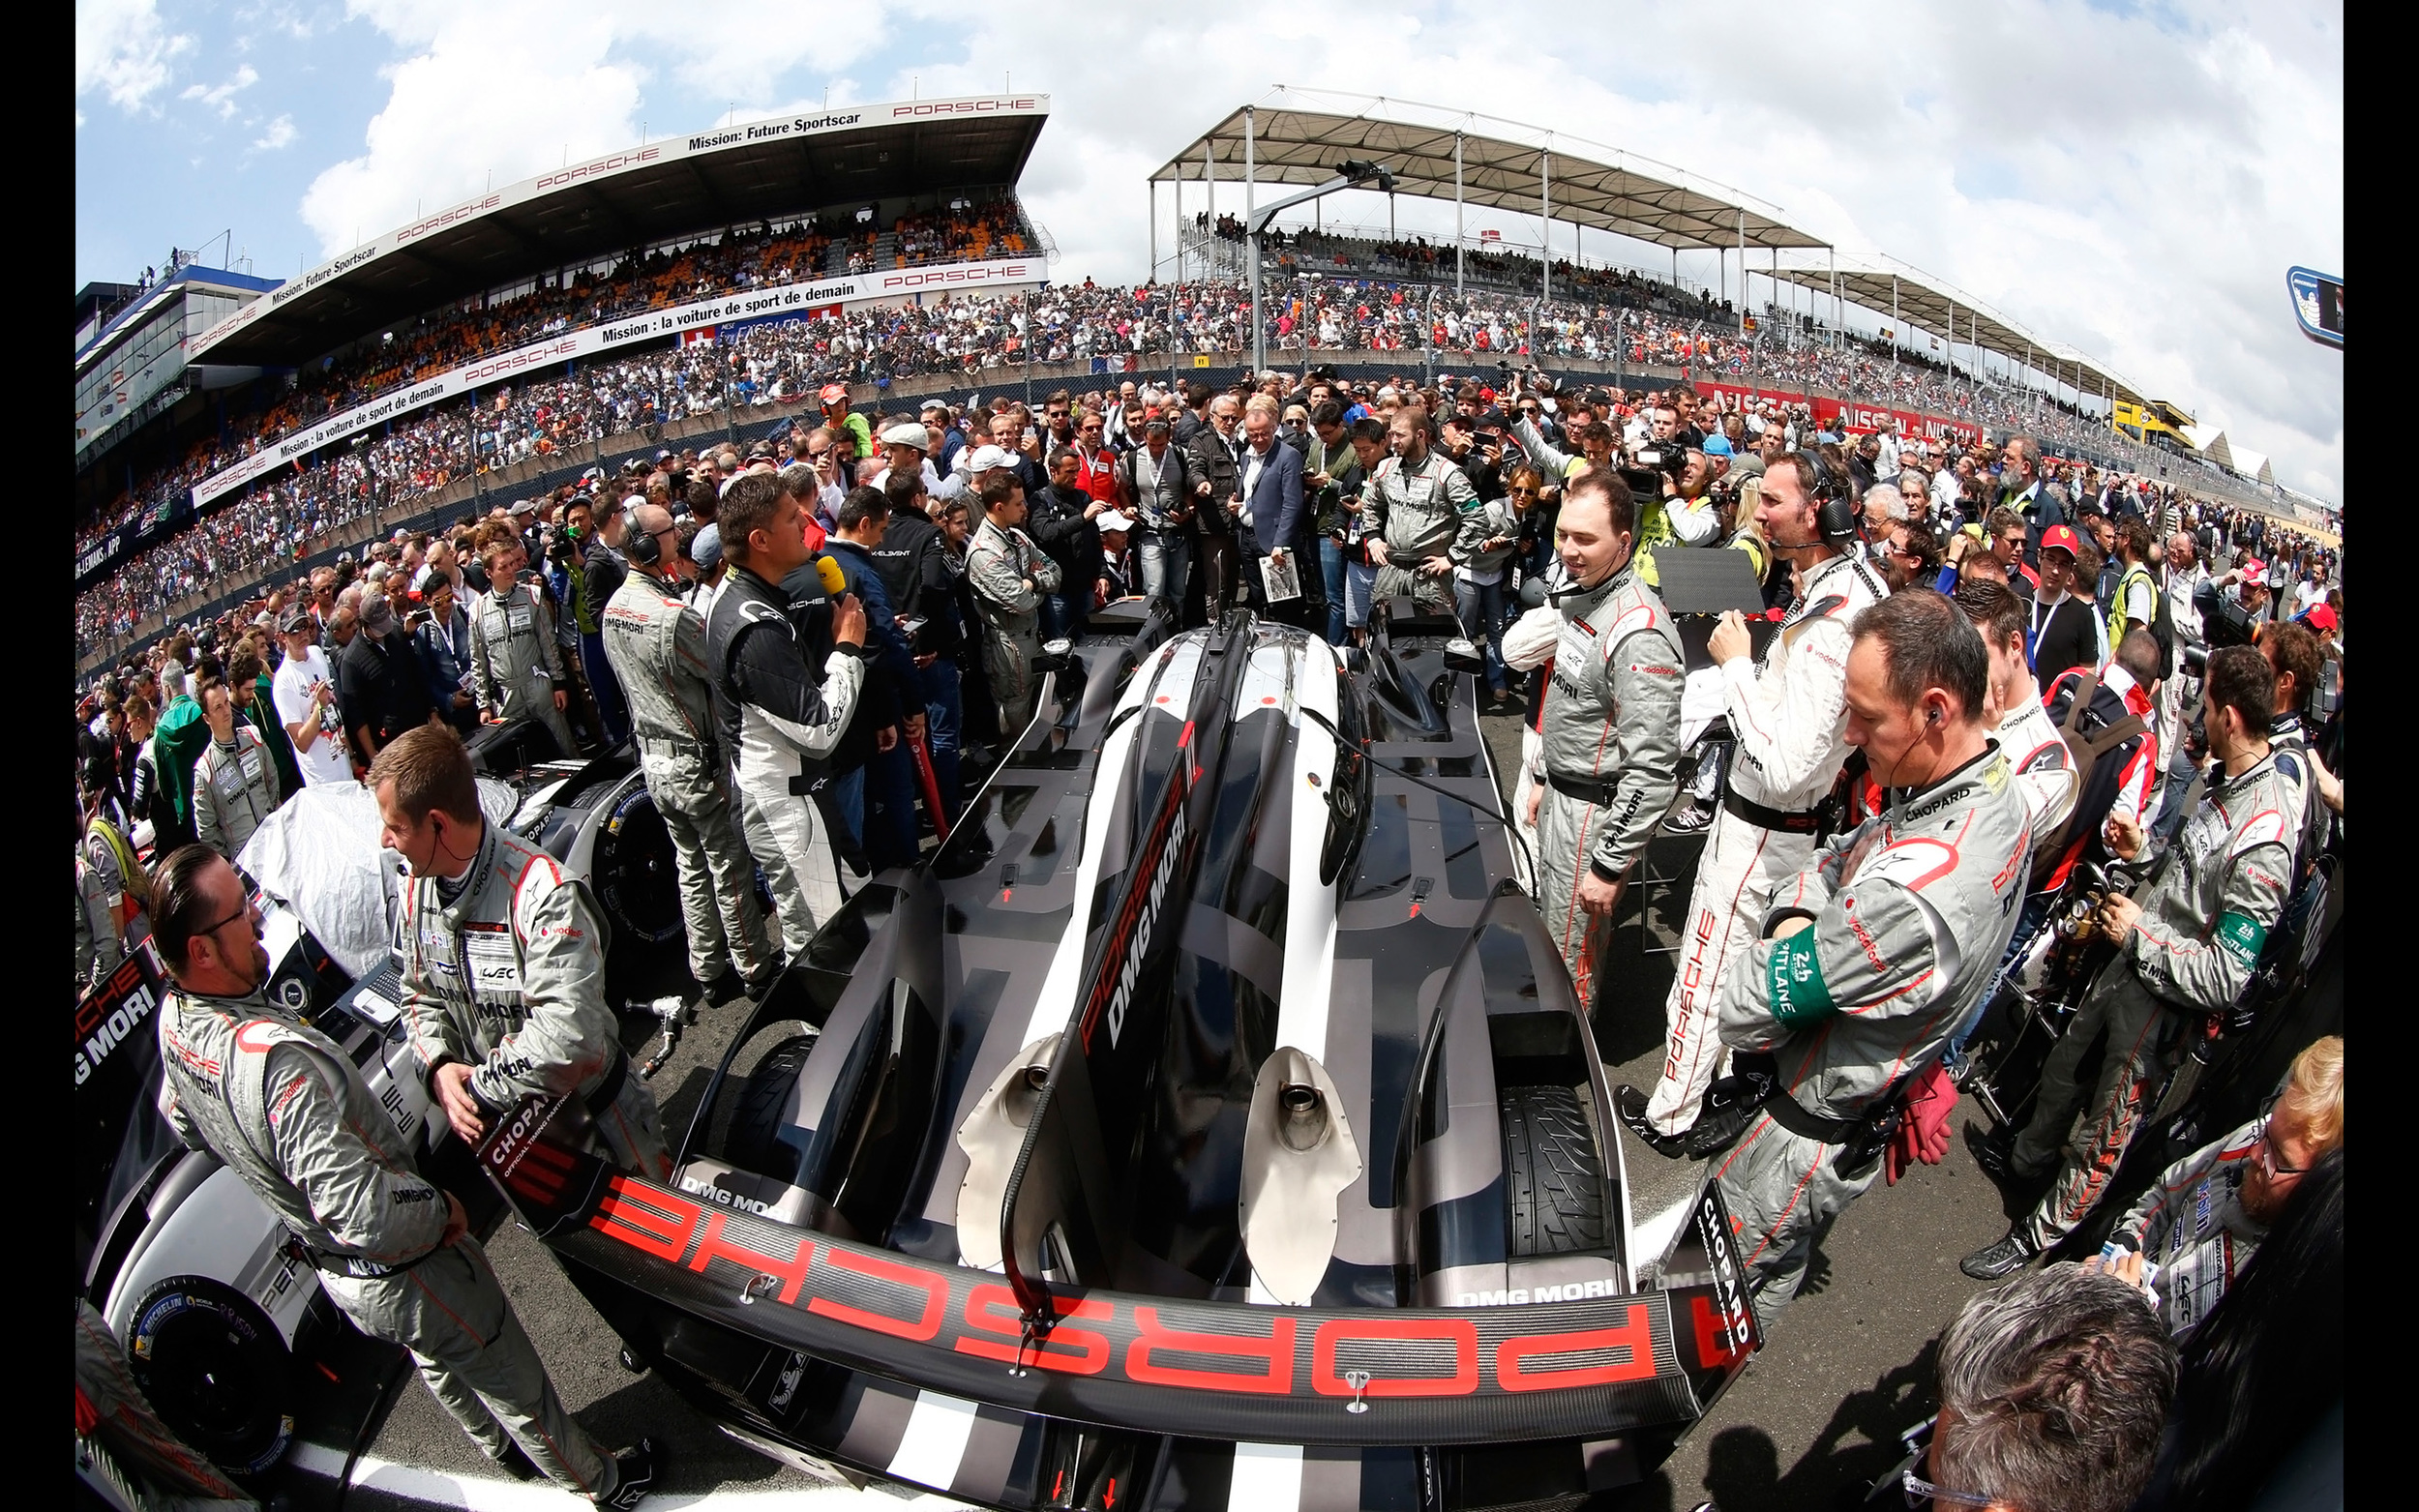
(2224, 622)
(1650, 464)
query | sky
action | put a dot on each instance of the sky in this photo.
(2130, 180)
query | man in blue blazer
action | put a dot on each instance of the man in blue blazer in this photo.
(1271, 518)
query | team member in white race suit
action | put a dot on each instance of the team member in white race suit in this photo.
(1869, 958)
(1610, 742)
(279, 1103)
(1789, 717)
(503, 960)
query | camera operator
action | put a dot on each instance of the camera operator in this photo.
(1413, 502)
(1611, 727)
(656, 644)
(1790, 718)
(1874, 953)
(778, 710)
(2184, 954)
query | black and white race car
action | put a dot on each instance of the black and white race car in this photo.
(1207, 1122)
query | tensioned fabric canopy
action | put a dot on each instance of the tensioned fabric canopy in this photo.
(1299, 136)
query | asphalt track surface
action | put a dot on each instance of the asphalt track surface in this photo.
(1813, 1421)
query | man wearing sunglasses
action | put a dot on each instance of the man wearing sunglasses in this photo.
(393, 1251)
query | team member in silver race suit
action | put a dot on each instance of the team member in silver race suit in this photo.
(281, 1105)
(656, 644)
(1611, 736)
(1873, 956)
(1789, 721)
(503, 960)
(783, 717)
(2184, 954)
(516, 667)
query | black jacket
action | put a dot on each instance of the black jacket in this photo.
(2063, 637)
(384, 686)
(1059, 527)
(1212, 458)
(753, 663)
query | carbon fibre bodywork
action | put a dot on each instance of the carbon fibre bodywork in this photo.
(1155, 1148)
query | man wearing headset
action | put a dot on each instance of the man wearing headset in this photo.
(656, 644)
(1611, 733)
(1789, 717)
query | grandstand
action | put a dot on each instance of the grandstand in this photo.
(711, 284)
(627, 253)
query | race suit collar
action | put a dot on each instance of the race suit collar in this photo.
(255, 1004)
(1920, 803)
(474, 881)
(1580, 599)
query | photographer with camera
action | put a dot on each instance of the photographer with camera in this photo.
(1872, 953)
(2185, 954)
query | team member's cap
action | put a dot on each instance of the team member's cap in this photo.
(2061, 538)
(907, 432)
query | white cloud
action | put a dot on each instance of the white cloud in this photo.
(122, 50)
(281, 134)
(2127, 187)
(221, 97)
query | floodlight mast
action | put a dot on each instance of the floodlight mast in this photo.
(1348, 175)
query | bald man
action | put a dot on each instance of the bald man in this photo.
(656, 644)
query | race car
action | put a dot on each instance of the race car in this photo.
(1207, 1121)
(228, 1332)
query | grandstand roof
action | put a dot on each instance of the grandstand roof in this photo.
(744, 172)
(1298, 137)
(1925, 303)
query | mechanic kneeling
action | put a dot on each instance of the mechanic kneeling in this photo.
(505, 960)
(656, 644)
(1874, 955)
(282, 1106)
(1611, 735)
(2183, 955)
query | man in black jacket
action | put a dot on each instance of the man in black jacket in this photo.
(385, 691)
(1216, 475)
(912, 561)
(1062, 522)
(2064, 630)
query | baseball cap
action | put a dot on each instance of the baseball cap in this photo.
(2062, 538)
(1118, 519)
(2321, 616)
(377, 616)
(525, 508)
(931, 405)
(833, 394)
(706, 550)
(986, 457)
(1717, 446)
(907, 432)
(295, 622)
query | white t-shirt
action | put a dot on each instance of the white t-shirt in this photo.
(290, 690)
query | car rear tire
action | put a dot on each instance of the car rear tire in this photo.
(1552, 1170)
(753, 1140)
(215, 1371)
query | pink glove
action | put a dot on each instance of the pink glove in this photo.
(1924, 1130)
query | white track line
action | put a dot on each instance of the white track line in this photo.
(483, 1493)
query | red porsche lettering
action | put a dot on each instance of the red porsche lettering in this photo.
(1274, 1352)
(1636, 1335)
(992, 1308)
(647, 1218)
(715, 1247)
(1459, 1332)
(935, 1294)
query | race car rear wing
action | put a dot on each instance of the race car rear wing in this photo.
(1539, 1365)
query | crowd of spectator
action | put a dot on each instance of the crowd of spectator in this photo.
(275, 519)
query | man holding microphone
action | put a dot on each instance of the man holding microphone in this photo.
(1789, 717)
